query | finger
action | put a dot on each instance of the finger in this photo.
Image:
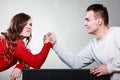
(49, 33)
(12, 78)
(95, 71)
(10, 75)
(92, 71)
(95, 68)
(18, 76)
(53, 36)
(44, 37)
(15, 76)
(99, 74)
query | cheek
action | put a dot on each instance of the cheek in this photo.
(23, 32)
(92, 24)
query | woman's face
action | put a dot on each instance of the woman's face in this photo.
(27, 30)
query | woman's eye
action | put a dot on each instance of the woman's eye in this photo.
(30, 24)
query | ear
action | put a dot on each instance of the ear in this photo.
(99, 21)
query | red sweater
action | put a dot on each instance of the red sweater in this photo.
(22, 53)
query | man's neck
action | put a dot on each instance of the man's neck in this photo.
(102, 32)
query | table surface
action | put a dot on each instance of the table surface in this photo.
(60, 74)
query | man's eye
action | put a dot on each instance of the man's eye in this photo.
(30, 24)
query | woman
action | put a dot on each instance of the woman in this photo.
(13, 49)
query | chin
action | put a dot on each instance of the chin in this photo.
(89, 32)
(27, 36)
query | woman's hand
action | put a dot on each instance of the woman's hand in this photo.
(16, 73)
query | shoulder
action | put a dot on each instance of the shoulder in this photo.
(2, 40)
(1, 37)
(19, 42)
(115, 29)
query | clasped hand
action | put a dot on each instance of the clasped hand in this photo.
(49, 37)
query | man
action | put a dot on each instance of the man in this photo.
(104, 48)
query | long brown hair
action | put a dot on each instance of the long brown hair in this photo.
(17, 25)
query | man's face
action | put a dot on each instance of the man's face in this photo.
(91, 23)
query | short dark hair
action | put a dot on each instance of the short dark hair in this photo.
(101, 11)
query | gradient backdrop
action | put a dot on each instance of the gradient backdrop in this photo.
(63, 17)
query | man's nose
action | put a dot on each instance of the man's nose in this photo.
(85, 23)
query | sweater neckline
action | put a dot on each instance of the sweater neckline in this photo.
(109, 30)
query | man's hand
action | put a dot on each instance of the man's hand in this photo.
(99, 70)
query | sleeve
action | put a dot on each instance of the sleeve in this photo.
(22, 65)
(19, 66)
(74, 61)
(26, 56)
(114, 66)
